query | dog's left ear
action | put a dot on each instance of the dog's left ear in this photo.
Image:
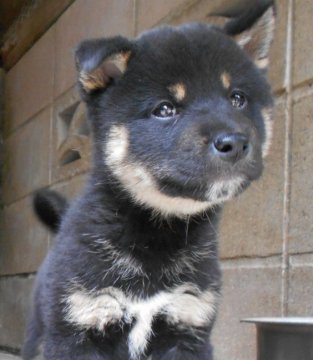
(254, 31)
(101, 61)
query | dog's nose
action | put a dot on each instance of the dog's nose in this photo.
(231, 146)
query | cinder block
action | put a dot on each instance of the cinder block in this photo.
(5, 356)
(29, 84)
(27, 158)
(252, 223)
(87, 19)
(302, 49)
(71, 153)
(73, 187)
(300, 285)
(277, 66)
(200, 11)
(23, 242)
(247, 292)
(149, 13)
(15, 303)
(2, 77)
(301, 206)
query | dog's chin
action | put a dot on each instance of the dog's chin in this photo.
(182, 203)
(174, 199)
(225, 189)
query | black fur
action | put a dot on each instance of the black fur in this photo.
(50, 207)
(123, 242)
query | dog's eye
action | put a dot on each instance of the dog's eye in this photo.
(238, 100)
(164, 110)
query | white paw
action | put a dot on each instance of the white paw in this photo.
(97, 310)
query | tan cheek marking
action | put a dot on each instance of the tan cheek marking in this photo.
(226, 80)
(267, 114)
(178, 91)
(117, 146)
(140, 183)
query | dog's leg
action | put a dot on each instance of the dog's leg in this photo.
(181, 352)
(35, 327)
(60, 347)
(34, 333)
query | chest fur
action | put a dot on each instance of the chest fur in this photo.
(184, 306)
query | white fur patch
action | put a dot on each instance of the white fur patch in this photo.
(143, 189)
(117, 146)
(141, 185)
(224, 190)
(268, 122)
(185, 306)
(95, 309)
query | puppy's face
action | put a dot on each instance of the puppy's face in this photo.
(181, 116)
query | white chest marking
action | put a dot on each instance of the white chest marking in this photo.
(185, 306)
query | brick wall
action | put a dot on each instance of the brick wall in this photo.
(265, 245)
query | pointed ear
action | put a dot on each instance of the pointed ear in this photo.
(100, 61)
(254, 32)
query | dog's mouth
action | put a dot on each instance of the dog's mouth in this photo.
(213, 192)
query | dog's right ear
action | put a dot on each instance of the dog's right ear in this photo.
(254, 29)
(100, 61)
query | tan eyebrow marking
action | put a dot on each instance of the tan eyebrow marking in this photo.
(226, 79)
(178, 91)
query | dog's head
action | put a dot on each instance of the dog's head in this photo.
(181, 116)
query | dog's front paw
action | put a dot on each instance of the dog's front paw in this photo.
(109, 313)
(95, 311)
(181, 352)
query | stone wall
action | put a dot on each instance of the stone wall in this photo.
(265, 245)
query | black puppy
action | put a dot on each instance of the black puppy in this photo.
(181, 120)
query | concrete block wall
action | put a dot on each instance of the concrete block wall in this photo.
(265, 242)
